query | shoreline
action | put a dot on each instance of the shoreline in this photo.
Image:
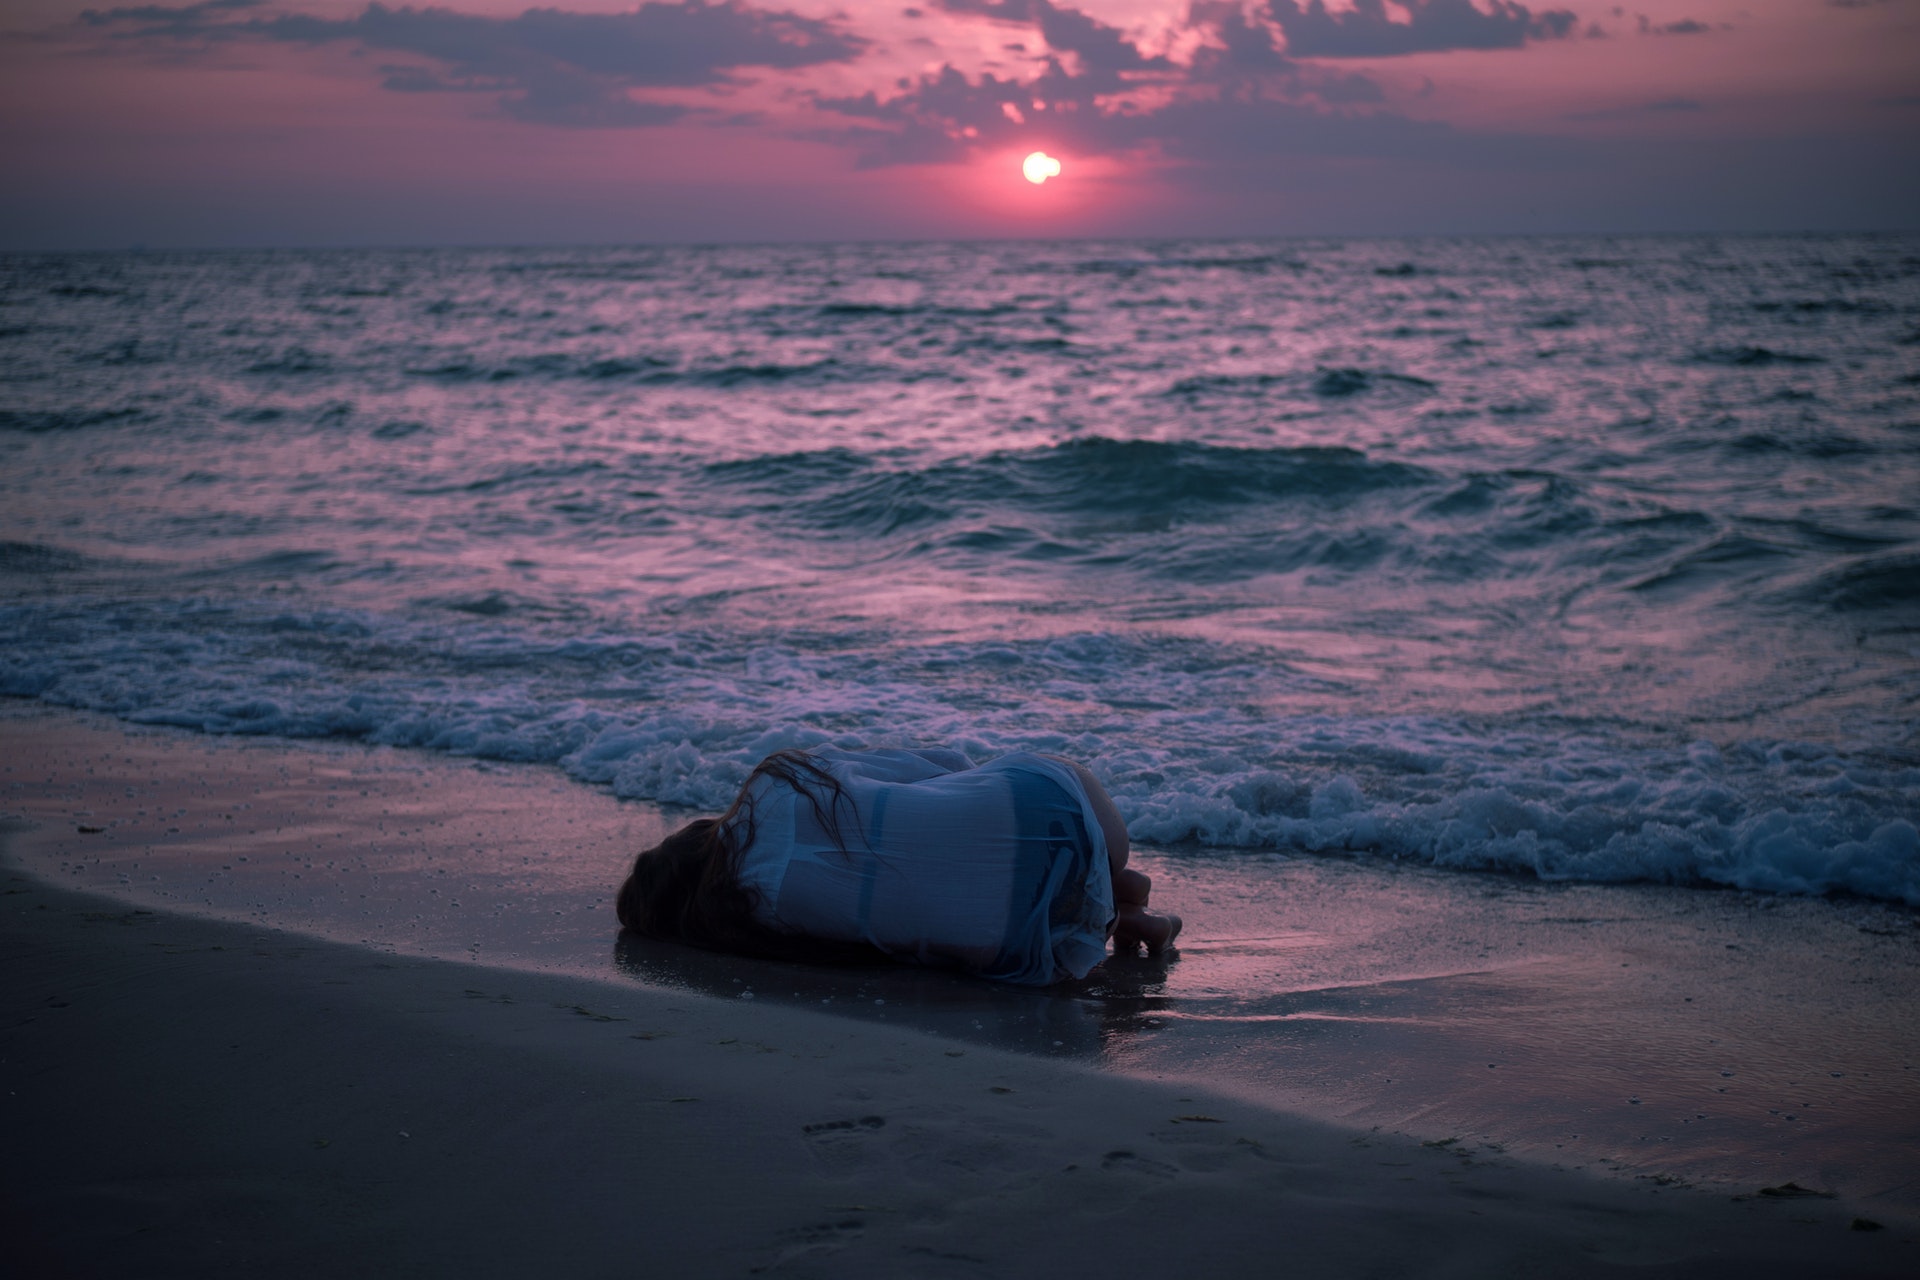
(194, 1097)
(1376, 999)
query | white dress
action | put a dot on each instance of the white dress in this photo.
(998, 868)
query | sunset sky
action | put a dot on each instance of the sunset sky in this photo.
(337, 122)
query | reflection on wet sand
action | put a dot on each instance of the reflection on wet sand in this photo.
(1119, 999)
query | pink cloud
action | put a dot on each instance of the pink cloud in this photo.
(681, 118)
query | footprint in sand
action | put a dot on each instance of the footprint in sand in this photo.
(1133, 1162)
(841, 1144)
(813, 1238)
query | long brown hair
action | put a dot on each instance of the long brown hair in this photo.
(687, 887)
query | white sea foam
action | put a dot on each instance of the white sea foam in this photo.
(680, 719)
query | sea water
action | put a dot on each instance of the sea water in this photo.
(1587, 559)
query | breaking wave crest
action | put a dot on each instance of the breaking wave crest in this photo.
(680, 718)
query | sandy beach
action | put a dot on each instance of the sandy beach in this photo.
(191, 1095)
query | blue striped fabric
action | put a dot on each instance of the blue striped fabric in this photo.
(999, 869)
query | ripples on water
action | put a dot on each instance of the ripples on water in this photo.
(1593, 557)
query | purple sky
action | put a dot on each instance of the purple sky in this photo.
(324, 122)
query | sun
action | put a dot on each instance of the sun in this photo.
(1039, 167)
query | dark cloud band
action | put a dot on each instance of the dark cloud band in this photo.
(1433, 26)
(551, 65)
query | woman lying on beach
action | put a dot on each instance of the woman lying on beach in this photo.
(1015, 870)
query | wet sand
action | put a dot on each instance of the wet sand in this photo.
(208, 1093)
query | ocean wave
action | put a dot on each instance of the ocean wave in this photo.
(1823, 306)
(1351, 382)
(1809, 444)
(293, 362)
(1150, 483)
(596, 267)
(642, 369)
(1749, 357)
(499, 604)
(33, 558)
(1888, 581)
(50, 421)
(1151, 475)
(127, 353)
(1252, 262)
(679, 718)
(1195, 514)
(1248, 263)
(84, 291)
(1325, 384)
(730, 375)
(924, 316)
(1728, 557)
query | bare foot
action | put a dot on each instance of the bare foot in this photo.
(1135, 925)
